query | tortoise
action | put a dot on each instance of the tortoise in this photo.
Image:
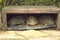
(31, 21)
(46, 20)
(16, 20)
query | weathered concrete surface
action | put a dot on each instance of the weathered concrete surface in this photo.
(1, 20)
(30, 9)
(30, 35)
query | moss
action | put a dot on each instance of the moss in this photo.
(0, 4)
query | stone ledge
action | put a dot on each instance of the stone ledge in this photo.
(31, 9)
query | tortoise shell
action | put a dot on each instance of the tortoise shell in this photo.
(16, 20)
(31, 20)
(46, 20)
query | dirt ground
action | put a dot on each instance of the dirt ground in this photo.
(30, 35)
